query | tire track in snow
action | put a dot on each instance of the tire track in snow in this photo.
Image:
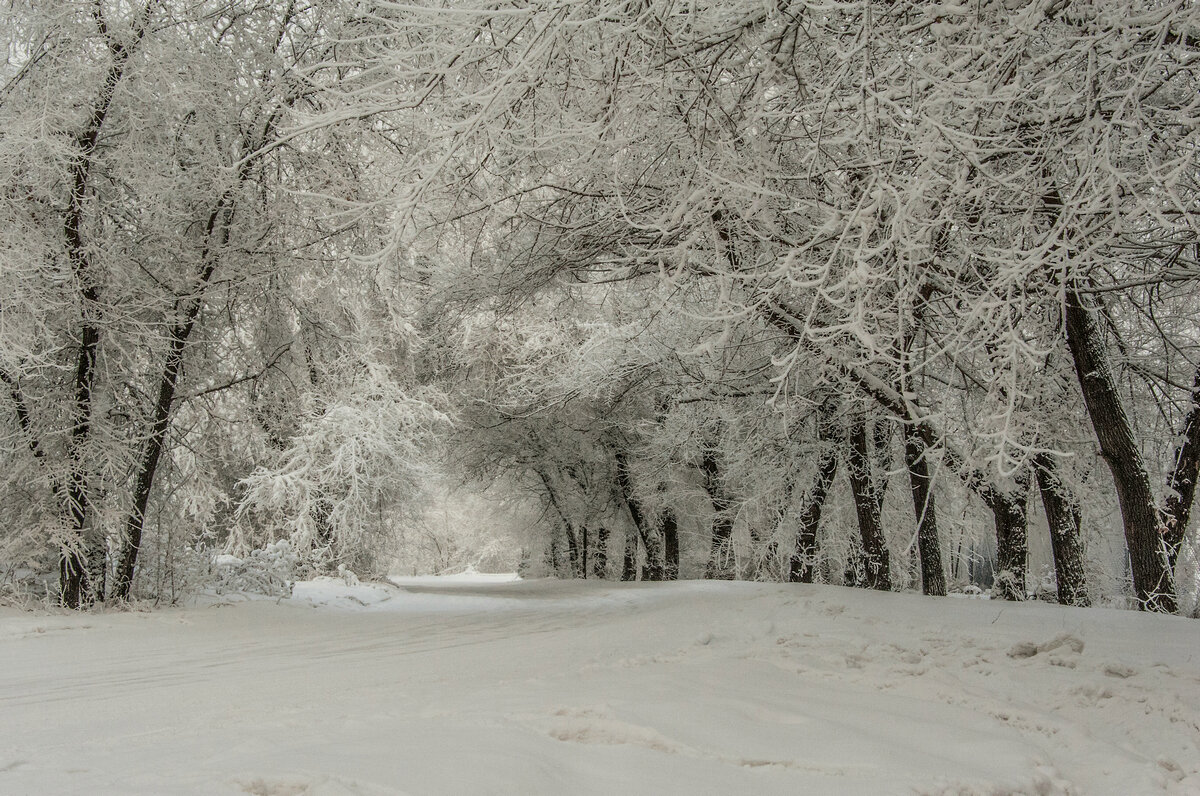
(363, 635)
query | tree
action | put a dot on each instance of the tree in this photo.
(207, 159)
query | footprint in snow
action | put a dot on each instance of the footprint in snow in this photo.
(597, 726)
(318, 786)
(1064, 643)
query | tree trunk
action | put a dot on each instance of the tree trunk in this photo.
(720, 553)
(1063, 517)
(131, 542)
(868, 502)
(1010, 510)
(918, 433)
(1181, 483)
(670, 531)
(804, 558)
(573, 561)
(651, 539)
(656, 564)
(933, 578)
(629, 567)
(553, 556)
(583, 549)
(600, 556)
(1146, 528)
(76, 588)
(24, 421)
(568, 529)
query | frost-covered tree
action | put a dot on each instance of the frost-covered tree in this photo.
(168, 165)
(929, 201)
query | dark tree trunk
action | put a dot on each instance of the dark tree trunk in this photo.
(322, 513)
(1181, 483)
(131, 542)
(768, 559)
(656, 564)
(583, 549)
(1146, 528)
(670, 531)
(554, 558)
(629, 567)
(600, 556)
(573, 562)
(720, 553)
(804, 558)
(68, 579)
(933, 578)
(21, 408)
(651, 539)
(217, 233)
(568, 529)
(1009, 509)
(76, 587)
(625, 484)
(868, 502)
(1063, 517)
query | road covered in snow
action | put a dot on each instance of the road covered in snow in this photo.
(494, 686)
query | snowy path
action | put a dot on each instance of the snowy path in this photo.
(586, 688)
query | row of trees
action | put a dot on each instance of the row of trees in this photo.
(974, 224)
(799, 290)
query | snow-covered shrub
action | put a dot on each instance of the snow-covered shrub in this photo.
(354, 471)
(269, 570)
(1043, 585)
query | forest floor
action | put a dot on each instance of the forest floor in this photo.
(480, 686)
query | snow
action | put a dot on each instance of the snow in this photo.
(475, 684)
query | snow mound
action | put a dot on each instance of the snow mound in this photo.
(341, 592)
(469, 575)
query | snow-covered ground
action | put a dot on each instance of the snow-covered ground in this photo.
(471, 686)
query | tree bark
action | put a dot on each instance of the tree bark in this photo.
(552, 556)
(651, 539)
(600, 555)
(218, 227)
(1146, 527)
(656, 565)
(1181, 483)
(803, 562)
(583, 550)
(573, 561)
(568, 528)
(670, 532)
(868, 502)
(933, 578)
(21, 408)
(629, 567)
(720, 564)
(1010, 510)
(77, 589)
(1063, 517)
